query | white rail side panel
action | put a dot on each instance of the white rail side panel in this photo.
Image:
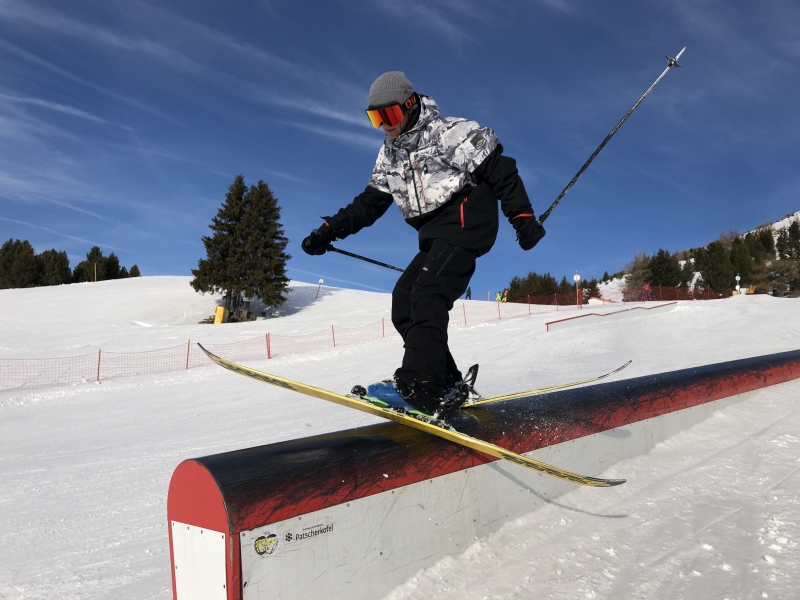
(199, 562)
(362, 549)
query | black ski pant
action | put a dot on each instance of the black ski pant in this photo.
(421, 301)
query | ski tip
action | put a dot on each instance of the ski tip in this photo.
(610, 482)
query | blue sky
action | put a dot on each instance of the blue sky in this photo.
(123, 123)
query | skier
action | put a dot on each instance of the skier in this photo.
(468, 295)
(446, 175)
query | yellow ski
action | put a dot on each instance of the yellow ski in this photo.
(543, 390)
(428, 426)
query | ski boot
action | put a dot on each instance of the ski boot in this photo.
(386, 394)
(413, 399)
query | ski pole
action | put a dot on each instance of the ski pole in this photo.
(671, 62)
(330, 248)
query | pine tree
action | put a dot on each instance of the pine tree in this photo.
(664, 269)
(134, 272)
(793, 239)
(765, 236)
(246, 252)
(112, 269)
(638, 273)
(741, 260)
(687, 272)
(533, 285)
(755, 247)
(91, 269)
(18, 265)
(718, 271)
(54, 268)
(565, 287)
(591, 289)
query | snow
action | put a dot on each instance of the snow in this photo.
(84, 470)
(785, 222)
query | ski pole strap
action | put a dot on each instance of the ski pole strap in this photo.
(330, 248)
(671, 62)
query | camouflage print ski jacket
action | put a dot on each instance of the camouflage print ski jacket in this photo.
(445, 174)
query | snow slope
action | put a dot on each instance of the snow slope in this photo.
(84, 470)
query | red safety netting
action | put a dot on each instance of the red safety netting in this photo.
(28, 373)
(669, 293)
(129, 364)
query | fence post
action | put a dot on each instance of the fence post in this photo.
(383, 327)
(188, 347)
(556, 297)
(498, 311)
(464, 309)
(269, 352)
(98, 364)
(529, 304)
(660, 297)
(333, 336)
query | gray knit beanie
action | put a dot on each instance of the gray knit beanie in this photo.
(390, 87)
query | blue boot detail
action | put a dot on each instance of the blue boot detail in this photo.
(385, 394)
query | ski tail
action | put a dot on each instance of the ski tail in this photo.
(547, 389)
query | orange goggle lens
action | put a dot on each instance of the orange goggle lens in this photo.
(391, 115)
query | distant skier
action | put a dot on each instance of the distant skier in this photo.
(499, 297)
(445, 174)
(468, 295)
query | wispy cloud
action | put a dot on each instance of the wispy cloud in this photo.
(426, 16)
(347, 281)
(67, 75)
(195, 29)
(348, 137)
(562, 6)
(313, 107)
(62, 108)
(59, 233)
(64, 25)
(39, 191)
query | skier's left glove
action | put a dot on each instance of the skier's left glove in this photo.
(318, 241)
(529, 230)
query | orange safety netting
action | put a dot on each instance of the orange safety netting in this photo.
(28, 373)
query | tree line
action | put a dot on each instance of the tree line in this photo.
(534, 284)
(763, 258)
(22, 267)
(767, 260)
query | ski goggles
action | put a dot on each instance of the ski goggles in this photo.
(391, 114)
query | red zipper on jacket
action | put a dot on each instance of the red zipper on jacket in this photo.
(464, 201)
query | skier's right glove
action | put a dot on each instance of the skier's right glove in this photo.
(318, 241)
(529, 230)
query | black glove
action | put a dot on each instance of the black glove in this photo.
(529, 230)
(318, 241)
